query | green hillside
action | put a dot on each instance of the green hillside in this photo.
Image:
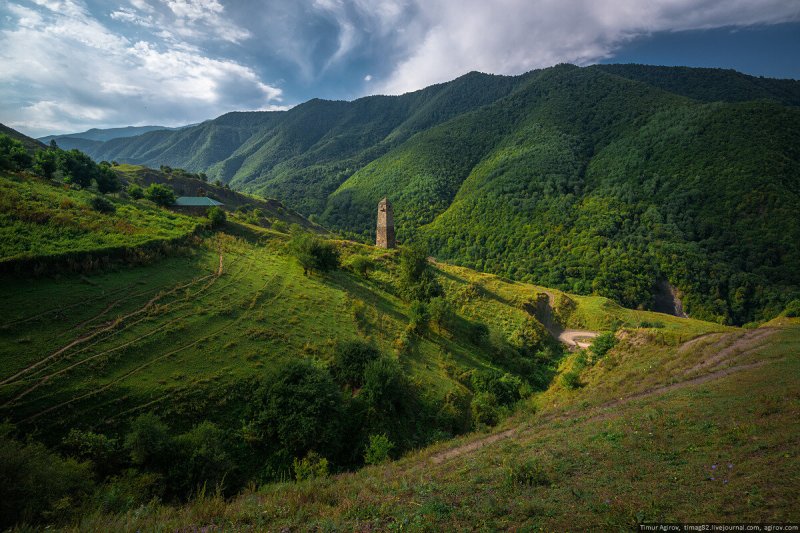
(605, 456)
(613, 179)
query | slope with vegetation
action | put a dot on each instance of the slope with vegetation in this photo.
(612, 179)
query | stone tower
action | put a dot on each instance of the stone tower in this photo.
(385, 237)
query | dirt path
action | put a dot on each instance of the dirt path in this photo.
(576, 338)
(472, 446)
(745, 344)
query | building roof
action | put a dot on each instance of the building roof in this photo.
(196, 201)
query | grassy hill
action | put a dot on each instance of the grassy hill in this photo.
(125, 390)
(611, 179)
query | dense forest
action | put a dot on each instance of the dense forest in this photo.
(611, 179)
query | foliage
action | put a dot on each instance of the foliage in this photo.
(313, 253)
(160, 194)
(135, 191)
(418, 316)
(526, 473)
(792, 309)
(299, 408)
(362, 264)
(107, 180)
(216, 217)
(39, 485)
(485, 409)
(204, 457)
(312, 466)
(378, 449)
(505, 388)
(149, 442)
(601, 345)
(13, 155)
(102, 205)
(350, 360)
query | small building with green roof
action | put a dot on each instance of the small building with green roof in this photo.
(195, 205)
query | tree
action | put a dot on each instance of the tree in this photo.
(102, 205)
(313, 253)
(350, 359)
(299, 408)
(45, 162)
(107, 179)
(13, 155)
(135, 192)
(160, 194)
(362, 264)
(216, 217)
(148, 441)
(204, 458)
(378, 449)
(77, 168)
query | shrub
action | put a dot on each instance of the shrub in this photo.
(601, 345)
(135, 192)
(418, 316)
(13, 155)
(485, 410)
(647, 324)
(361, 265)
(299, 407)
(571, 380)
(39, 485)
(440, 312)
(204, 458)
(103, 205)
(313, 253)
(529, 473)
(528, 337)
(95, 447)
(77, 167)
(504, 387)
(148, 441)
(107, 180)
(160, 194)
(45, 163)
(312, 466)
(216, 217)
(378, 449)
(792, 309)
(350, 359)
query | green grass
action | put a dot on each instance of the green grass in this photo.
(41, 220)
(663, 458)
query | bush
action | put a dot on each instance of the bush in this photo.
(135, 192)
(102, 205)
(441, 313)
(792, 310)
(350, 360)
(313, 253)
(361, 265)
(160, 194)
(149, 441)
(312, 466)
(204, 459)
(13, 155)
(504, 387)
(571, 380)
(107, 180)
(529, 473)
(485, 410)
(601, 345)
(299, 408)
(418, 316)
(417, 281)
(216, 217)
(45, 163)
(378, 449)
(38, 485)
(647, 324)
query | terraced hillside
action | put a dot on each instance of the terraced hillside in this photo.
(659, 431)
(610, 179)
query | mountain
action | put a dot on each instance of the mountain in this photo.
(85, 140)
(30, 144)
(610, 179)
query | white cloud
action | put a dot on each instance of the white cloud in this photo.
(514, 36)
(368, 77)
(77, 73)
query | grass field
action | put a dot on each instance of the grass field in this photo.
(39, 220)
(724, 449)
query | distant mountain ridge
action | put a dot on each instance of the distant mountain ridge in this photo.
(85, 140)
(610, 179)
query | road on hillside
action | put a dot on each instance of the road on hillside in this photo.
(576, 338)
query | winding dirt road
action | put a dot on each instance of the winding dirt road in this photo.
(576, 338)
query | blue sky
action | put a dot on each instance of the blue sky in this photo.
(69, 65)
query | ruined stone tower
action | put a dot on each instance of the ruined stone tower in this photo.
(385, 237)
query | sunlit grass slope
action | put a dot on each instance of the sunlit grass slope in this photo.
(626, 448)
(41, 220)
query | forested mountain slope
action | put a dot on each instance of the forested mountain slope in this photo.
(609, 179)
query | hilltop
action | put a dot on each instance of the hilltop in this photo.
(610, 179)
(184, 383)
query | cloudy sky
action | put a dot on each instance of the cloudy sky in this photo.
(69, 65)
